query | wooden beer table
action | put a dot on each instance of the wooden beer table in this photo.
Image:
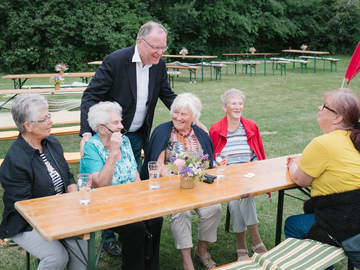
(128, 203)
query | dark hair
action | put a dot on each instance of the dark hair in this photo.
(347, 105)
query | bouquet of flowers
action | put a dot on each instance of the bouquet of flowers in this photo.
(183, 51)
(61, 67)
(56, 80)
(252, 49)
(304, 47)
(190, 164)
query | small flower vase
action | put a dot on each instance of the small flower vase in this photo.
(304, 49)
(252, 52)
(187, 181)
(57, 86)
(183, 55)
(61, 72)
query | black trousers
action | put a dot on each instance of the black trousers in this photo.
(133, 238)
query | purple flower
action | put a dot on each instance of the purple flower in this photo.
(173, 159)
(186, 170)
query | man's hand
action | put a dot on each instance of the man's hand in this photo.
(202, 126)
(84, 139)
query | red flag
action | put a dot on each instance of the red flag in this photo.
(354, 65)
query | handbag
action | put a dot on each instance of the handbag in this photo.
(351, 247)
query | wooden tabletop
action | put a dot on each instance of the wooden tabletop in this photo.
(41, 90)
(250, 54)
(123, 204)
(306, 51)
(190, 56)
(95, 63)
(48, 75)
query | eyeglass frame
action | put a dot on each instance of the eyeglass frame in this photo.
(155, 48)
(123, 131)
(46, 119)
(326, 107)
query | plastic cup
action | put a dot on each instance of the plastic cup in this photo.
(154, 174)
(84, 183)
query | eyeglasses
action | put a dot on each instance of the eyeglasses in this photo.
(155, 48)
(326, 107)
(47, 119)
(123, 131)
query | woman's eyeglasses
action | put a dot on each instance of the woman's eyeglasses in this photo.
(46, 119)
(326, 107)
(123, 131)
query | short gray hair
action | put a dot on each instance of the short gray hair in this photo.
(99, 113)
(146, 28)
(26, 108)
(187, 100)
(229, 94)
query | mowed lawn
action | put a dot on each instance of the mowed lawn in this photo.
(285, 109)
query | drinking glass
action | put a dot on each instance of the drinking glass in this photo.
(84, 182)
(220, 160)
(154, 174)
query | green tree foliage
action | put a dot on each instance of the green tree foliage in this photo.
(36, 34)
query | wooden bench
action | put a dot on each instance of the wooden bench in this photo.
(333, 61)
(292, 254)
(216, 65)
(282, 65)
(192, 70)
(13, 134)
(171, 75)
(303, 63)
(250, 64)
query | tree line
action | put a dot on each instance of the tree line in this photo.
(37, 34)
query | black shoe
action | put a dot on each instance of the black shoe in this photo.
(112, 248)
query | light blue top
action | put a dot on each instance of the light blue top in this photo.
(95, 156)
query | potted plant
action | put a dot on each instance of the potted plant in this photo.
(304, 47)
(183, 51)
(190, 166)
(56, 81)
(252, 50)
(61, 68)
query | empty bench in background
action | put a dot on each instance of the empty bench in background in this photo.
(171, 75)
(333, 61)
(303, 63)
(177, 66)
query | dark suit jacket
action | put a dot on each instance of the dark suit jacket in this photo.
(115, 80)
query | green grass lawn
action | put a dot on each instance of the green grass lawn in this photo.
(285, 109)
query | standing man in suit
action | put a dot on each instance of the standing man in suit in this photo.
(135, 77)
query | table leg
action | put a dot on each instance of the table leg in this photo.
(315, 63)
(202, 71)
(91, 252)
(280, 211)
(264, 64)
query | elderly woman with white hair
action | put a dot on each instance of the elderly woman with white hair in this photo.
(108, 157)
(176, 136)
(240, 139)
(35, 167)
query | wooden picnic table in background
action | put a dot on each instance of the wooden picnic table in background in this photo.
(314, 53)
(115, 205)
(250, 54)
(201, 57)
(20, 79)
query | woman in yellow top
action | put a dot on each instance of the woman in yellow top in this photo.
(330, 164)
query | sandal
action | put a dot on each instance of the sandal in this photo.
(244, 257)
(210, 263)
(258, 246)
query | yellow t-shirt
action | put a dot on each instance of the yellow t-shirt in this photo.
(334, 163)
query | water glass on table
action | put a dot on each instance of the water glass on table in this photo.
(154, 174)
(84, 182)
(221, 160)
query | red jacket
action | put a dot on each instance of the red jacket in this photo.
(218, 135)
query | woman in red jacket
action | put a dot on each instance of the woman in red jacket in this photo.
(240, 139)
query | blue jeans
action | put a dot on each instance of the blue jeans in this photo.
(109, 236)
(298, 226)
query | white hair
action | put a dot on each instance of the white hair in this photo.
(231, 93)
(187, 100)
(99, 113)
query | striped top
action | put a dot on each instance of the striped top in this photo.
(292, 254)
(237, 148)
(55, 176)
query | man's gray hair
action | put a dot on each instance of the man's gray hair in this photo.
(26, 108)
(99, 113)
(146, 28)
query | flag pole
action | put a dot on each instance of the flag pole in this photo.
(342, 86)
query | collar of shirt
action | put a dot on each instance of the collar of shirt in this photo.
(136, 58)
